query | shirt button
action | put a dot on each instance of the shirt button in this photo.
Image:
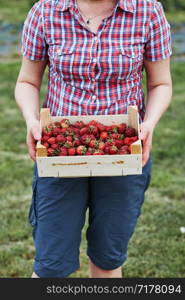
(94, 97)
(93, 79)
(94, 60)
(95, 38)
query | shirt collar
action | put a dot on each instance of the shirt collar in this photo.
(127, 5)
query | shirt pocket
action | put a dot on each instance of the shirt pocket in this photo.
(62, 58)
(130, 62)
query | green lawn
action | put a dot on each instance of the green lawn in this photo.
(157, 246)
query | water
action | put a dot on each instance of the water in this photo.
(10, 40)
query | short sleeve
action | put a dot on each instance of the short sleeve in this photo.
(158, 46)
(34, 46)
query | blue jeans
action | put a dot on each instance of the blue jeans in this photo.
(58, 211)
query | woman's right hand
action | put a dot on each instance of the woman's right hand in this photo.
(33, 135)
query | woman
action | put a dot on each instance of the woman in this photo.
(96, 51)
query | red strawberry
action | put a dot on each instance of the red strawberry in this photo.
(119, 143)
(122, 127)
(129, 132)
(56, 131)
(103, 135)
(124, 150)
(69, 138)
(76, 130)
(47, 131)
(114, 128)
(101, 127)
(50, 151)
(89, 153)
(106, 149)
(93, 144)
(93, 122)
(101, 146)
(54, 146)
(46, 145)
(108, 128)
(134, 139)
(64, 123)
(45, 138)
(85, 139)
(76, 142)
(90, 150)
(84, 130)
(51, 140)
(110, 142)
(68, 144)
(71, 151)
(81, 150)
(98, 152)
(113, 150)
(127, 141)
(79, 124)
(93, 129)
(63, 151)
(61, 139)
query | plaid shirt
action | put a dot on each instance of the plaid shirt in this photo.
(101, 73)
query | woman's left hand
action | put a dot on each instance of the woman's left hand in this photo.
(146, 134)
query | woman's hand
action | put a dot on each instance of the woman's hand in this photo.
(33, 135)
(146, 134)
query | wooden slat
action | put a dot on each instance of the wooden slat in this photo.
(45, 117)
(41, 151)
(133, 118)
(136, 147)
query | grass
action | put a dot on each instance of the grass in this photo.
(157, 246)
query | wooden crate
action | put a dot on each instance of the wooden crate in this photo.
(85, 166)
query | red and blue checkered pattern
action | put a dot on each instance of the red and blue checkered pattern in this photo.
(100, 73)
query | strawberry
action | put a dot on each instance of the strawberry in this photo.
(93, 143)
(71, 151)
(46, 145)
(93, 122)
(124, 150)
(50, 151)
(134, 139)
(68, 144)
(51, 140)
(79, 124)
(106, 149)
(122, 127)
(84, 130)
(64, 123)
(91, 150)
(103, 135)
(101, 127)
(76, 142)
(89, 153)
(98, 152)
(54, 146)
(81, 150)
(56, 131)
(108, 128)
(47, 131)
(45, 138)
(119, 143)
(114, 128)
(85, 139)
(93, 129)
(127, 141)
(63, 151)
(69, 138)
(113, 150)
(76, 130)
(101, 146)
(110, 142)
(61, 139)
(129, 132)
